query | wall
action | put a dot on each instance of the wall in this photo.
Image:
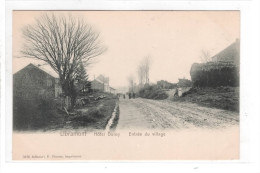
(31, 83)
(95, 85)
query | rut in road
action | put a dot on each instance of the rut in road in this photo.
(161, 118)
(197, 115)
(166, 114)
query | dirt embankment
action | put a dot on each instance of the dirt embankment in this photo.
(226, 98)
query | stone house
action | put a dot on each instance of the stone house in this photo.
(35, 82)
(112, 90)
(101, 83)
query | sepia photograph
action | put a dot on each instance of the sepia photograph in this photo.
(128, 82)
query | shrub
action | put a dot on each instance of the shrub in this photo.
(32, 114)
(152, 92)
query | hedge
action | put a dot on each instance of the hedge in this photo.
(214, 74)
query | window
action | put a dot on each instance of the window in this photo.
(49, 83)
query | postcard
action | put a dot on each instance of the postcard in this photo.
(126, 85)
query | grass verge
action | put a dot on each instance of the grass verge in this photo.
(39, 116)
(94, 115)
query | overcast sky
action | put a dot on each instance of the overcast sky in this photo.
(173, 39)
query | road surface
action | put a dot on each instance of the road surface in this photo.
(164, 114)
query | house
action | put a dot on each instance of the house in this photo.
(112, 90)
(101, 83)
(36, 82)
(222, 71)
(229, 54)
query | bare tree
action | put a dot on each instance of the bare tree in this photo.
(66, 43)
(205, 56)
(131, 83)
(147, 63)
(141, 75)
(144, 70)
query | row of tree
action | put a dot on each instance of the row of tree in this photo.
(143, 72)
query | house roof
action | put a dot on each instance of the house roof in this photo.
(103, 79)
(46, 69)
(230, 53)
(112, 88)
(98, 80)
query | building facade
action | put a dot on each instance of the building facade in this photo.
(101, 83)
(32, 83)
(112, 90)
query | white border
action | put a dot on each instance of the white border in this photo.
(249, 89)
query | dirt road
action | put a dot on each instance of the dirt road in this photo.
(164, 114)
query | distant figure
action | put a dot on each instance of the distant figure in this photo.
(179, 92)
(124, 96)
(129, 94)
(176, 92)
(134, 95)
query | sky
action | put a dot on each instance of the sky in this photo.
(173, 39)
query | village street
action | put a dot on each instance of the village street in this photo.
(165, 114)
